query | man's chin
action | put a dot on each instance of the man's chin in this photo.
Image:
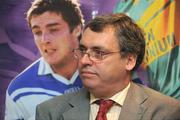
(51, 61)
(88, 83)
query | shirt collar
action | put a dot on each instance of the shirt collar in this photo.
(118, 97)
(45, 69)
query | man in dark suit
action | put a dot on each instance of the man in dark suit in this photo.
(111, 48)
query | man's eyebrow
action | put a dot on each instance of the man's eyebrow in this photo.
(49, 25)
(34, 27)
(81, 46)
(98, 48)
(92, 48)
(52, 24)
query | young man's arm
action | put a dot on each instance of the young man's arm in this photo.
(12, 111)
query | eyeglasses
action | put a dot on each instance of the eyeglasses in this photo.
(94, 55)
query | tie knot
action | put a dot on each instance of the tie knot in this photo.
(104, 105)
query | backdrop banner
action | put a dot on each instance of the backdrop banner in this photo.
(158, 19)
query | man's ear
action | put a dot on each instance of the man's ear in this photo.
(130, 62)
(77, 31)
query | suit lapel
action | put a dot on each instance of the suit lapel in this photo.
(133, 107)
(79, 107)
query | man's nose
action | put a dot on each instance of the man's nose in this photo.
(45, 37)
(85, 60)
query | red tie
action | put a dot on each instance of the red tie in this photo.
(104, 106)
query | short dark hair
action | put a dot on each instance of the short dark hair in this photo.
(129, 35)
(69, 10)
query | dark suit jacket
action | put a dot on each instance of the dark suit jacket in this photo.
(141, 103)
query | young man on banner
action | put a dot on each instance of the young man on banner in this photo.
(56, 26)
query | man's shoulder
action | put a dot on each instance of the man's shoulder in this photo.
(54, 102)
(63, 101)
(24, 77)
(153, 94)
(29, 71)
(158, 105)
(156, 99)
(55, 107)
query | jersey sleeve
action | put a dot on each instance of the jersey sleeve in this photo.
(12, 110)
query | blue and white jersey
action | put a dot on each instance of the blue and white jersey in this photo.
(33, 86)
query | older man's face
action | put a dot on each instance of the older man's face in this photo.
(109, 73)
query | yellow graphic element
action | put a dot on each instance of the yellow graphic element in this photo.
(158, 24)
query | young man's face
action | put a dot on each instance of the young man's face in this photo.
(108, 75)
(53, 37)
